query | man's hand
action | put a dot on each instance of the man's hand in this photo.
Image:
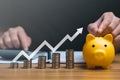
(107, 23)
(15, 38)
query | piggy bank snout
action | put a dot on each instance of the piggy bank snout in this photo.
(99, 54)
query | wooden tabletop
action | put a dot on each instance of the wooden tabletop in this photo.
(80, 72)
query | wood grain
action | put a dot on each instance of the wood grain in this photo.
(80, 72)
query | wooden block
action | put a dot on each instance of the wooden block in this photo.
(14, 65)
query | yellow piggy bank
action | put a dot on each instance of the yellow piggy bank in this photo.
(98, 51)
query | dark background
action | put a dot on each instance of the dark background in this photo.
(51, 20)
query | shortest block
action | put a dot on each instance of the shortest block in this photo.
(27, 64)
(14, 65)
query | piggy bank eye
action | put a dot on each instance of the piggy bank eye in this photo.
(105, 45)
(93, 45)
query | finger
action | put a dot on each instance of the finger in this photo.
(99, 21)
(7, 40)
(117, 39)
(111, 27)
(114, 23)
(108, 30)
(23, 38)
(2, 45)
(29, 41)
(92, 28)
(106, 20)
(14, 37)
(116, 30)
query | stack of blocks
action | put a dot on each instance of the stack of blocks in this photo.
(27, 64)
(55, 61)
(70, 58)
(42, 62)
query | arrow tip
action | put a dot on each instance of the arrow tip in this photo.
(80, 30)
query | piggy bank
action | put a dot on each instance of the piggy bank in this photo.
(98, 51)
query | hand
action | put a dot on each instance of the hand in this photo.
(107, 23)
(15, 38)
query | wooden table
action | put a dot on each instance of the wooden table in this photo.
(80, 72)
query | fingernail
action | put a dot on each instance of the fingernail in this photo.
(26, 49)
(99, 30)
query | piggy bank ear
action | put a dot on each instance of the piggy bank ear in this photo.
(90, 37)
(109, 37)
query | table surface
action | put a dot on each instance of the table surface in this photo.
(80, 72)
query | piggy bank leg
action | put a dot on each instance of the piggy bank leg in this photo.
(90, 66)
(105, 67)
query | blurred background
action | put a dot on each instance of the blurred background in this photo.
(51, 20)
